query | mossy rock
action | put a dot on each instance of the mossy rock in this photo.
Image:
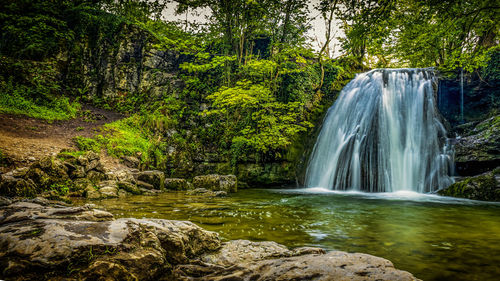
(484, 187)
(11, 187)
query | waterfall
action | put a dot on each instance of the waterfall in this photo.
(383, 134)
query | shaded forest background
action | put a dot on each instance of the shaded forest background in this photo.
(246, 86)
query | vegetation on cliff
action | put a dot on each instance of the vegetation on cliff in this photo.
(242, 86)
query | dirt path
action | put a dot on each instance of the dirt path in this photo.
(24, 140)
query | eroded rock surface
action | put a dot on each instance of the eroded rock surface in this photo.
(85, 243)
(42, 240)
(478, 150)
(227, 183)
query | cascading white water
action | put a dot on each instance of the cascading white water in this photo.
(383, 134)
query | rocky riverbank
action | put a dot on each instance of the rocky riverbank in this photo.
(75, 174)
(42, 239)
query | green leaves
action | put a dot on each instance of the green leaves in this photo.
(257, 121)
(447, 34)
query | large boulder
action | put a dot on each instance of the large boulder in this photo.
(177, 184)
(12, 186)
(334, 265)
(154, 178)
(87, 244)
(46, 172)
(227, 183)
(484, 187)
(243, 251)
(108, 189)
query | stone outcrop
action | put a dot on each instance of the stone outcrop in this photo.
(227, 183)
(478, 150)
(129, 64)
(73, 175)
(154, 178)
(177, 184)
(42, 240)
(206, 192)
(484, 187)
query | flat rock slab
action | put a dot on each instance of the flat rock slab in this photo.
(42, 240)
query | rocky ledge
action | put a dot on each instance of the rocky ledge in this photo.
(485, 187)
(478, 150)
(41, 239)
(84, 175)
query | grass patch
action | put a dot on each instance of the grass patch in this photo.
(57, 109)
(125, 138)
(132, 136)
(70, 154)
(88, 144)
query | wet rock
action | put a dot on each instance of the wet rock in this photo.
(149, 192)
(11, 186)
(227, 183)
(92, 193)
(123, 175)
(82, 184)
(47, 172)
(92, 165)
(108, 189)
(145, 185)
(78, 172)
(129, 187)
(154, 178)
(96, 176)
(5, 201)
(47, 240)
(177, 184)
(484, 187)
(240, 251)
(478, 150)
(18, 173)
(334, 265)
(206, 192)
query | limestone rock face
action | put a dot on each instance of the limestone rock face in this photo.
(478, 150)
(37, 239)
(241, 251)
(130, 64)
(245, 260)
(227, 183)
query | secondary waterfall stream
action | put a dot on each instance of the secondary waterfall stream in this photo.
(383, 134)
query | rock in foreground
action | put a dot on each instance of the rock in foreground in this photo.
(46, 240)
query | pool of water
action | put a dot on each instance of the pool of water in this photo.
(433, 237)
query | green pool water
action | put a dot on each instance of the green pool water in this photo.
(435, 238)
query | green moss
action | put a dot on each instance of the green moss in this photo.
(64, 155)
(482, 187)
(87, 144)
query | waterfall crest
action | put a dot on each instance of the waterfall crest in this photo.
(383, 134)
